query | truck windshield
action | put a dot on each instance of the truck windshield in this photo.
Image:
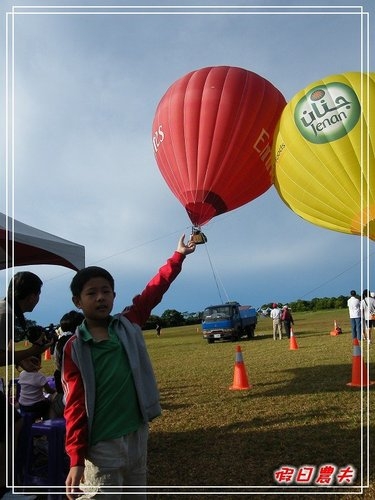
(217, 312)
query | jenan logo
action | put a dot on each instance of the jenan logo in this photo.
(327, 112)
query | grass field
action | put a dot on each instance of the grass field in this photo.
(298, 412)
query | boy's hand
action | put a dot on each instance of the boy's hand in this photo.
(187, 248)
(75, 477)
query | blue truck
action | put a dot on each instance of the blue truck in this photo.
(229, 321)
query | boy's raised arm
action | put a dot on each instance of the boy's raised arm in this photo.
(140, 310)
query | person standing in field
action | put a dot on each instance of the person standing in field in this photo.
(287, 319)
(354, 307)
(109, 385)
(275, 315)
(368, 314)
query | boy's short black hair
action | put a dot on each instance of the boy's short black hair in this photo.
(24, 284)
(84, 275)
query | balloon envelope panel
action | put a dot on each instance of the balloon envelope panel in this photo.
(323, 153)
(212, 139)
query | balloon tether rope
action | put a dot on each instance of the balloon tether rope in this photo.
(215, 277)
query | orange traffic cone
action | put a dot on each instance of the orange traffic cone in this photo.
(240, 381)
(336, 329)
(359, 369)
(293, 346)
(47, 354)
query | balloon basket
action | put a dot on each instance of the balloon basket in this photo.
(197, 236)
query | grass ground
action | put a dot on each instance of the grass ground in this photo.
(299, 411)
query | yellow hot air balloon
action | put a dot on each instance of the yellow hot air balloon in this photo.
(323, 153)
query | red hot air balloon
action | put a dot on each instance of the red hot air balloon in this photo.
(212, 139)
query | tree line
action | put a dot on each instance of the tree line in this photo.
(171, 317)
(317, 304)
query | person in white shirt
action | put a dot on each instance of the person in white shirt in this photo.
(354, 306)
(34, 385)
(275, 315)
(368, 314)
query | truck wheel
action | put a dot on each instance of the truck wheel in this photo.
(236, 336)
(250, 333)
(210, 341)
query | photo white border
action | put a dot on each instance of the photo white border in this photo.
(10, 189)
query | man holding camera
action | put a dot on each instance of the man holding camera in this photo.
(24, 291)
(23, 295)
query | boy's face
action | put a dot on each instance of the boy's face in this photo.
(96, 299)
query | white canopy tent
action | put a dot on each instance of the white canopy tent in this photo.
(22, 245)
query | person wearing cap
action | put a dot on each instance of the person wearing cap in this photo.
(287, 320)
(275, 315)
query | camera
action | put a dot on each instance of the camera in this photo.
(33, 333)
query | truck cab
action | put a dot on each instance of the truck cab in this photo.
(229, 321)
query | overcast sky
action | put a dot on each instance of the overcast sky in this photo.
(86, 86)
